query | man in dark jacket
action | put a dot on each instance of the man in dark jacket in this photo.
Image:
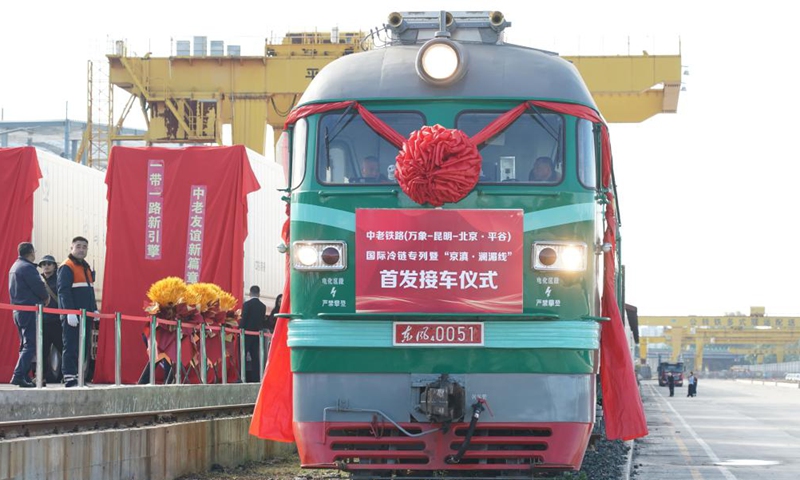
(25, 287)
(254, 315)
(51, 336)
(75, 292)
(671, 384)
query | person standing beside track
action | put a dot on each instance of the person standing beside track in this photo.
(671, 384)
(254, 315)
(75, 292)
(25, 287)
(51, 335)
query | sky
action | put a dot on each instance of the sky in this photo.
(707, 195)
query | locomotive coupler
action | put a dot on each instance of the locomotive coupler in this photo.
(442, 400)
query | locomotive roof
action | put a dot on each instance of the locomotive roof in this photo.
(493, 71)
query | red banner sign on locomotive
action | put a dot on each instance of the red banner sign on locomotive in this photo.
(465, 261)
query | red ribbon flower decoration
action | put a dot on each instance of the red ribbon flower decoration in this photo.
(438, 165)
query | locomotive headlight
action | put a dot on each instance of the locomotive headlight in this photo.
(440, 61)
(319, 255)
(306, 255)
(574, 258)
(564, 256)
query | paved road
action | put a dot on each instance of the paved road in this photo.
(730, 431)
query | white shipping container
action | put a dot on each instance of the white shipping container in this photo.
(70, 202)
(263, 264)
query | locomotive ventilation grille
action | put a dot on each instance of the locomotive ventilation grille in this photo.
(504, 447)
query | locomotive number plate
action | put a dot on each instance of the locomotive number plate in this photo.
(438, 333)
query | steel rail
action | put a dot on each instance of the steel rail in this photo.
(109, 421)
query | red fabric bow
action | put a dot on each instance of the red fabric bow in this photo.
(438, 165)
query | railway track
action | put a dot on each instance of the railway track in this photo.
(89, 423)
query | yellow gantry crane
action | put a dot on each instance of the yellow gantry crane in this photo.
(187, 99)
(781, 333)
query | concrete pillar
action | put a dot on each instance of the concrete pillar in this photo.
(66, 139)
(698, 354)
(677, 343)
(643, 349)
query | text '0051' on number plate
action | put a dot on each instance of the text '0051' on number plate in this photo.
(421, 334)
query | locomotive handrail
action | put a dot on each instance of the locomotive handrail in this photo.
(518, 191)
(438, 316)
(360, 191)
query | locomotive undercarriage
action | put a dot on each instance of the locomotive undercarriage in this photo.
(450, 431)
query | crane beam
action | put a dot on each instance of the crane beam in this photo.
(187, 99)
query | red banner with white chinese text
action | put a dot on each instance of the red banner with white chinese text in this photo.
(439, 261)
(197, 199)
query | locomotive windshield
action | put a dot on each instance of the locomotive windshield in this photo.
(528, 151)
(351, 152)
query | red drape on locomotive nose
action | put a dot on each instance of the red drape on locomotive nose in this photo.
(622, 405)
(272, 417)
(19, 178)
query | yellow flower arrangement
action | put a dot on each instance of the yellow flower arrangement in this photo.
(226, 301)
(172, 298)
(166, 292)
(202, 295)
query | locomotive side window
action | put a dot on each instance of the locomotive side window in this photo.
(350, 152)
(587, 153)
(530, 150)
(299, 138)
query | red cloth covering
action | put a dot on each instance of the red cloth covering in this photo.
(622, 404)
(19, 177)
(226, 173)
(273, 414)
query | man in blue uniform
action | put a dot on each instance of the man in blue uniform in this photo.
(25, 287)
(75, 292)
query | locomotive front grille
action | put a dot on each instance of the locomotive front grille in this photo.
(503, 445)
(382, 447)
(377, 445)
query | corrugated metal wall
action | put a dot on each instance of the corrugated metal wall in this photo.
(263, 265)
(70, 201)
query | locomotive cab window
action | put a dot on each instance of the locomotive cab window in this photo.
(587, 154)
(529, 151)
(350, 152)
(298, 169)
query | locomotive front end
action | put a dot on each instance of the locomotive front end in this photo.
(445, 253)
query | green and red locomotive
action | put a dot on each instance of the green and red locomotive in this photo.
(447, 301)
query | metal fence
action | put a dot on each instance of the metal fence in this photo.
(202, 329)
(776, 368)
